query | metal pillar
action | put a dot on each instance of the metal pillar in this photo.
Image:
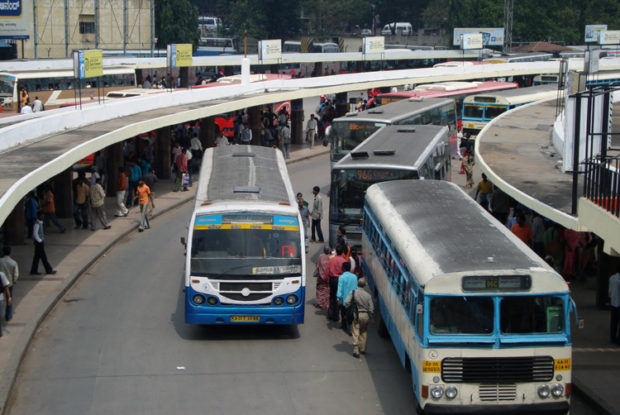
(34, 25)
(254, 120)
(66, 28)
(342, 105)
(184, 75)
(114, 161)
(15, 225)
(297, 121)
(96, 24)
(152, 6)
(207, 132)
(124, 27)
(162, 153)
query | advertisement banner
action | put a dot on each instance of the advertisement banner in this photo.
(471, 41)
(593, 30)
(609, 37)
(491, 36)
(179, 54)
(15, 19)
(269, 49)
(87, 64)
(373, 44)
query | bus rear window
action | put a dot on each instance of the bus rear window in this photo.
(531, 314)
(492, 112)
(473, 111)
(461, 315)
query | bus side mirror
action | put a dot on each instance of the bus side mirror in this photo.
(183, 241)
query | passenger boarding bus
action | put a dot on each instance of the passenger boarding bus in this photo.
(245, 247)
(350, 130)
(394, 152)
(481, 321)
(480, 109)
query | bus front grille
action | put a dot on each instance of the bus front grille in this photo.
(497, 370)
(239, 286)
(494, 392)
(241, 297)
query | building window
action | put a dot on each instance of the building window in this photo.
(87, 27)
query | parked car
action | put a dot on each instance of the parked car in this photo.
(366, 32)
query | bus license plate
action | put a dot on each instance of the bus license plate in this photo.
(245, 318)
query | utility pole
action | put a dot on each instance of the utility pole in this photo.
(507, 26)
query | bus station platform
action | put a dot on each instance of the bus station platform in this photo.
(596, 363)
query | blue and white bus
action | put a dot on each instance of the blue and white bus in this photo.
(245, 247)
(480, 320)
(210, 46)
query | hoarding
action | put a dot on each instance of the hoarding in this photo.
(609, 37)
(471, 41)
(179, 54)
(373, 44)
(15, 19)
(593, 30)
(491, 36)
(269, 49)
(87, 63)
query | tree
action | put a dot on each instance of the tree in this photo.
(176, 21)
(265, 19)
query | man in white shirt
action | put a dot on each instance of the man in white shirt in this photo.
(5, 295)
(26, 109)
(37, 105)
(9, 267)
(311, 130)
(39, 249)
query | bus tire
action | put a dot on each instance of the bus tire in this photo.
(382, 330)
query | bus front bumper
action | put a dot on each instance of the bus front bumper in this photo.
(539, 408)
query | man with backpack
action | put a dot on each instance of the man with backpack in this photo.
(365, 310)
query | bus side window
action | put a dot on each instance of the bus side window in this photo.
(419, 317)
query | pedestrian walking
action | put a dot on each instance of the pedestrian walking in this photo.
(11, 270)
(317, 214)
(122, 181)
(614, 305)
(285, 140)
(135, 172)
(5, 296)
(97, 208)
(365, 310)
(181, 167)
(31, 209)
(246, 134)
(39, 248)
(334, 269)
(347, 282)
(468, 165)
(322, 280)
(311, 128)
(484, 191)
(305, 221)
(81, 192)
(49, 209)
(143, 194)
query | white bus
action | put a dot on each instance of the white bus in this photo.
(478, 317)
(480, 109)
(394, 152)
(245, 247)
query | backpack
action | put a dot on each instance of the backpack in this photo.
(351, 313)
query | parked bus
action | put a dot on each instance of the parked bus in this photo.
(291, 46)
(210, 46)
(481, 321)
(245, 247)
(479, 110)
(454, 89)
(350, 130)
(327, 47)
(602, 78)
(57, 87)
(520, 57)
(395, 152)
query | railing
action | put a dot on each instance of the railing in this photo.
(601, 170)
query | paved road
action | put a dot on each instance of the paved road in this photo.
(117, 343)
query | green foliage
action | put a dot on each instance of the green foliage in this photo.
(265, 19)
(176, 21)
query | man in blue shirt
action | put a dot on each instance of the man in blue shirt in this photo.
(347, 282)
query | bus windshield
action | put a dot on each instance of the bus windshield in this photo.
(349, 188)
(243, 249)
(474, 315)
(346, 135)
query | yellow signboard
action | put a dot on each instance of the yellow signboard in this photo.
(93, 63)
(561, 364)
(184, 54)
(431, 366)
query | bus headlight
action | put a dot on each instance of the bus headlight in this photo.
(198, 299)
(436, 391)
(451, 392)
(212, 300)
(278, 301)
(543, 391)
(291, 299)
(557, 390)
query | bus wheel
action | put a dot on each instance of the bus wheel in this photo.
(381, 327)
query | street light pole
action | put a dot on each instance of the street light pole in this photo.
(372, 18)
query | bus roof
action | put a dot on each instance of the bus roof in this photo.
(46, 73)
(396, 146)
(395, 111)
(244, 173)
(445, 89)
(516, 96)
(437, 226)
